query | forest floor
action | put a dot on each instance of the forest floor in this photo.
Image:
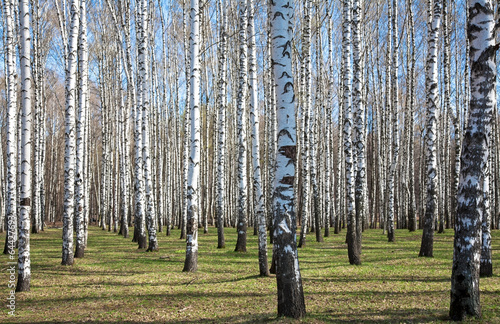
(116, 282)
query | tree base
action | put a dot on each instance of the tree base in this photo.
(153, 247)
(191, 263)
(79, 252)
(23, 283)
(142, 241)
(68, 260)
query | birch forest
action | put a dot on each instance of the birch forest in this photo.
(294, 121)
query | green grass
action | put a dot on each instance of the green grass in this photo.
(115, 282)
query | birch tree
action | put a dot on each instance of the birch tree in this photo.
(69, 152)
(431, 85)
(394, 118)
(140, 200)
(24, 260)
(260, 215)
(290, 292)
(306, 115)
(221, 125)
(80, 131)
(474, 162)
(145, 107)
(359, 121)
(241, 244)
(11, 149)
(353, 250)
(193, 193)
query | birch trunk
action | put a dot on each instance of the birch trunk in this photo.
(474, 170)
(80, 131)
(221, 126)
(290, 292)
(353, 251)
(140, 202)
(69, 153)
(150, 212)
(260, 215)
(431, 80)
(24, 260)
(394, 117)
(306, 81)
(11, 194)
(241, 244)
(193, 193)
(359, 120)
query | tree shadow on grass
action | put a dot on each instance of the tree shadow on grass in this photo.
(413, 315)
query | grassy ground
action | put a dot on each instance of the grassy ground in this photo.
(115, 282)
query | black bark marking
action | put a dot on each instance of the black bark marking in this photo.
(25, 202)
(289, 151)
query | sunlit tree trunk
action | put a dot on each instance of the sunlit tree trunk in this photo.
(221, 125)
(260, 215)
(69, 155)
(353, 251)
(140, 199)
(191, 261)
(241, 244)
(306, 80)
(80, 131)
(11, 193)
(290, 292)
(474, 167)
(24, 260)
(394, 121)
(412, 219)
(431, 82)
(359, 122)
(150, 210)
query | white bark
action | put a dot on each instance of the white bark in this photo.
(69, 153)
(24, 260)
(260, 215)
(474, 167)
(193, 193)
(11, 193)
(80, 131)
(431, 82)
(221, 125)
(290, 292)
(359, 121)
(145, 111)
(242, 129)
(140, 200)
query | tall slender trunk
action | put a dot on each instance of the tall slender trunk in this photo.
(260, 215)
(474, 168)
(412, 219)
(353, 251)
(193, 193)
(290, 292)
(11, 193)
(221, 125)
(394, 122)
(306, 81)
(242, 130)
(140, 199)
(24, 260)
(431, 80)
(359, 123)
(143, 65)
(69, 153)
(80, 131)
